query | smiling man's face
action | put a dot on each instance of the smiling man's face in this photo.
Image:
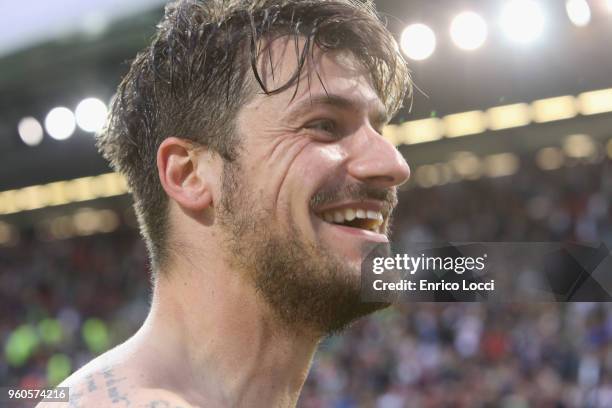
(313, 189)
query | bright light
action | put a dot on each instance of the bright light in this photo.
(62, 192)
(465, 123)
(423, 130)
(609, 2)
(552, 109)
(508, 116)
(60, 123)
(595, 102)
(393, 134)
(522, 21)
(415, 131)
(418, 42)
(30, 131)
(578, 12)
(468, 31)
(91, 114)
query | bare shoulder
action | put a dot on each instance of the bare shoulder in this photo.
(112, 388)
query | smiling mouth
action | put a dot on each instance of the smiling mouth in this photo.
(359, 218)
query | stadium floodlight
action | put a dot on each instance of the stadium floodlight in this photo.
(422, 130)
(393, 134)
(30, 131)
(509, 116)
(60, 123)
(91, 114)
(465, 123)
(62, 192)
(594, 102)
(553, 109)
(418, 41)
(522, 21)
(468, 31)
(578, 12)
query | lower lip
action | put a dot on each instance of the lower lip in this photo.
(370, 235)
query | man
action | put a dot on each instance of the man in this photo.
(249, 133)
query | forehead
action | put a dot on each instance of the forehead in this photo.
(336, 73)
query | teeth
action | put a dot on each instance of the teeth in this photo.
(338, 216)
(349, 214)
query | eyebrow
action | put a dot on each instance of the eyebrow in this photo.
(378, 116)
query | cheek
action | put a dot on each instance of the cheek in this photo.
(323, 160)
(317, 166)
(305, 173)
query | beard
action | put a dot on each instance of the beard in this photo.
(308, 288)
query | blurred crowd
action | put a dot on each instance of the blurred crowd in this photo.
(65, 301)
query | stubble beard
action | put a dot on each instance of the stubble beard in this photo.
(308, 288)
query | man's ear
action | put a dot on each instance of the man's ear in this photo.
(177, 166)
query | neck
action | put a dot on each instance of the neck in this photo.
(218, 343)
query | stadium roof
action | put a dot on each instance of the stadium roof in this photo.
(567, 62)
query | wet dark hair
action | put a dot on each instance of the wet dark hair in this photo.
(198, 71)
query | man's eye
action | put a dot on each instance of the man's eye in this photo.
(326, 126)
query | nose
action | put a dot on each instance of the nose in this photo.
(376, 161)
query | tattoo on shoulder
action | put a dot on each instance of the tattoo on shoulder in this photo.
(91, 383)
(161, 404)
(115, 388)
(75, 397)
(158, 404)
(115, 393)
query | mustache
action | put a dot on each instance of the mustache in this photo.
(356, 192)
